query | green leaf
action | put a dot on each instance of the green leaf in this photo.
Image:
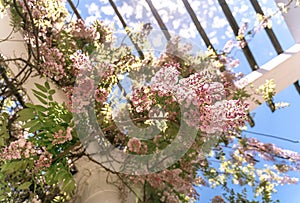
(40, 108)
(50, 98)
(1, 3)
(35, 128)
(29, 105)
(4, 116)
(12, 167)
(61, 176)
(47, 85)
(41, 99)
(26, 114)
(41, 114)
(41, 87)
(51, 92)
(31, 123)
(3, 127)
(4, 132)
(67, 117)
(2, 142)
(25, 185)
(50, 123)
(40, 94)
(69, 186)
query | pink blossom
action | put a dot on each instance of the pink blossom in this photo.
(101, 95)
(229, 46)
(17, 150)
(80, 30)
(60, 137)
(134, 145)
(243, 28)
(44, 161)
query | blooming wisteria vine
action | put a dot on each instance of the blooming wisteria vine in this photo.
(41, 142)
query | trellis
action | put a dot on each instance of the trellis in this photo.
(229, 16)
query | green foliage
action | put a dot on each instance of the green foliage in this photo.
(4, 134)
(20, 176)
(16, 18)
(46, 119)
(59, 175)
(14, 179)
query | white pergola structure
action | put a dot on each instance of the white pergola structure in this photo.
(91, 179)
(284, 68)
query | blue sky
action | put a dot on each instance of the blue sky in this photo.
(282, 123)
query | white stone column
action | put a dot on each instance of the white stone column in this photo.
(95, 185)
(15, 47)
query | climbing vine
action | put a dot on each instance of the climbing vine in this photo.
(40, 143)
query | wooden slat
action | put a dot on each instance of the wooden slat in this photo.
(113, 5)
(284, 69)
(297, 86)
(161, 24)
(198, 25)
(270, 32)
(73, 7)
(235, 28)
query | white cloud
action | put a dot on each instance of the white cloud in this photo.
(244, 8)
(93, 9)
(229, 32)
(212, 34)
(176, 23)
(107, 10)
(139, 11)
(218, 22)
(127, 10)
(188, 31)
(165, 16)
(195, 5)
(214, 40)
(90, 20)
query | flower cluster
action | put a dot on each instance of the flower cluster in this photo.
(165, 80)
(199, 94)
(18, 149)
(142, 99)
(101, 95)
(269, 151)
(166, 184)
(54, 60)
(135, 145)
(44, 161)
(61, 137)
(80, 31)
(228, 115)
(23, 148)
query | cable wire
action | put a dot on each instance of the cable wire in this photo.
(272, 136)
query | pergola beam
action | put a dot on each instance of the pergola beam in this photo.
(235, 28)
(269, 31)
(284, 69)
